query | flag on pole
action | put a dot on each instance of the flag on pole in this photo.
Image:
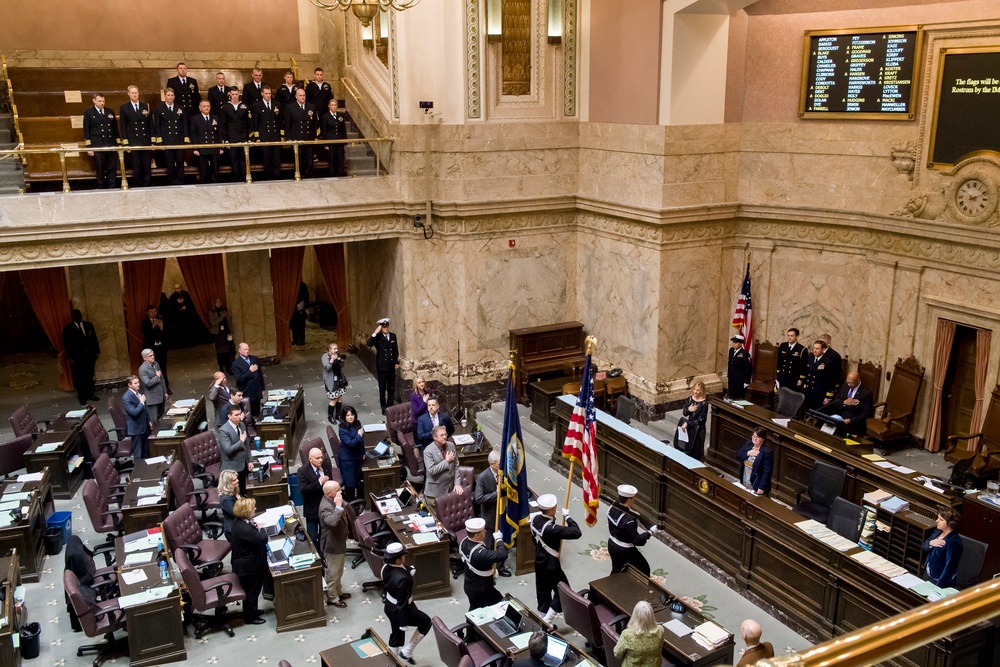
(512, 497)
(581, 442)
(743, 315)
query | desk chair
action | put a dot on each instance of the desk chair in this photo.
(212, 593)
(108, 480)
(900, 403)
(284, 663)
(615, 387)
(98, 442)
(117, 417)
(23, 424)
(414, 469)
(182, 532)
(334, 440)
(102, 519)
(12, 454)
(453, 510)
(789, 402)
(584, 615)
(571, 389)
(826, 482)
(610, 633)
(96, 619)
(372, 537)
(760, 390)
(626, 409)
(400, 423)
(102, 582)
(456, 644)
(970, 565)
(202, 457)
(181, 491)
(846, 519)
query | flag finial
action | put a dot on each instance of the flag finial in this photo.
(591, 341)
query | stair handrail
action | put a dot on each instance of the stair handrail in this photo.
(357, 100)
(13, 110)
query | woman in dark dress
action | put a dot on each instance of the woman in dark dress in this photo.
(756, 461)
(229, 493)
(249, 559)
(944, 549)
(694, 413)
(352, 452)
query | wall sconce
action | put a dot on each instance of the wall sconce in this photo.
(555, 21)
(383, 26)
(494, 25)
(366, 36)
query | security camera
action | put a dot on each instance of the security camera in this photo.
(418, 222)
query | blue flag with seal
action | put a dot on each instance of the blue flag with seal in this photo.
(512, 499)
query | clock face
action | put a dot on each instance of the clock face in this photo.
(972, 197)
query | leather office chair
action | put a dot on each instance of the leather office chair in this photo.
(467, 478)
(970, 565)
(453, 510)
(22, 423)
(202, 457)
(284, 663)
(454, 644)
(181, 491)
(765, 371)
(12, 454)
(97, 619)
(372, 536)
(826, 482)
(899, 404)
(181, 531)
(615, 387)
(98, 583)
(334, 440)
(626, 409)
(789, 402)
(466, 661)
(98, 442)
(108, 480)
(846, 519)
(584, 615)
(399, 421)
(117, 417)
(102, 519)
(610, 633)
(415, 471)
(212, 593)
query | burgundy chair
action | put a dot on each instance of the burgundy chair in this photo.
(399, 422)
(181, 531)
(97, 619)
(98, 441)
(467, 478)
(108, 480)
(372, 536)
(202, 457)
(22, 423)
(455, 645)
(334, 439)
(585, 616)
(181, 491)
(12, 453)
(453, 510)
(415, 471)
(117, 417)
(212, 593)
(102, 519)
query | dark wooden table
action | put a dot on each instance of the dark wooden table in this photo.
(298, 593)
(346, 656)
(474, 455)
(433, 577)
(289, 415)
(176, 428)
(543, 398)
(10, 655)
(273, 491)
(25, 535)
(67, 432)
(530, 622)
(137, 516)
(981, 521)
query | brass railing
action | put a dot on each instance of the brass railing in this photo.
(357, 100)
(72, 151)
(904, 632)
(18, 138)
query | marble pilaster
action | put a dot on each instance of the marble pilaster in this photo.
(96, 289)
(251, 300)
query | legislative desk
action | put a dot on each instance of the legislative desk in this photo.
(530, 622)
(430, 558)
(623, 590)
(61, 448)
(543, 399)
(298, 592)
(355, 653)
(272, 491)
(379, 476)
(10, 653)
(754, 540)
(34, 505)
(476, 454)
(144, 504)
(798, 445)
(981, 521)
(183, 419)
(155, 627)
(544, 351)
(283, 417)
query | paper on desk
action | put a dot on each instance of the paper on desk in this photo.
(149, 491)
(142, 543)
(907, 580)
(177, 412)
(133, 576)
(157, 459)
(165, 433)
(266, 460)
(903, 470)
(885, 464)
(872, 457)
(5, 520)
(138, 559)
(149, 500)
(520, 641)
(76, 414)
(270, 419)
(678, 628)
(30, 477)
(8, 506)
(186, 403)
(47, 447)
(808, 524)
(424, 538)
(779, 422)
(462, 439)
(374, 428)
(24, 495)
(261, 452)
(682, 435)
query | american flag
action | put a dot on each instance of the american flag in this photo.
(743, 315)
(581, 442)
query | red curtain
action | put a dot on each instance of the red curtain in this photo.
(983, 338)
(333, 265)
(286, 275)
(49, 296)
(942, 353)
(143, 286)
(206, 280)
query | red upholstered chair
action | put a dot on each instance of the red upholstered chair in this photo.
(399, 421)
(102, 519)
(202, 457)
(211, 593)
(22, 423)
(454, 645)
(334, 439)
(108, 480)
(205, 501)
(585, 616)
(467, 478)
(12, 453)
(98, 441)
(181, 530)
(96, 619)
(453, 510)
(415, 472)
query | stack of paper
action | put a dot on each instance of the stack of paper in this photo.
(711, 634)
(47, 447)
(301, 560)
(76, 414)
(825, 535)
(879, 564)
(895, 504)
(677, 627)
(177, 412)
(486, 614)
(186, 403)
(30, 477)
(74, 463)
(876, 497)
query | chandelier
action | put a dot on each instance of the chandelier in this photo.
(365, 10)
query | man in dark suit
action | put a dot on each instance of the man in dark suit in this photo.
(854, 403)
(318, 91)
(236, 128)
(205, 130)
(186, 89)
(791, 361)
(286, 91)
(137, 130)
(332, 125)
(82, 350)
(218, 94)
(834, 356)
(265, 120)
(312, 477)
(218, 392)
(433, 417)
(137, 422)
(253, 89)
(155, 338)
(386, 362)
(822, 377)
(740, 369)
(756, 650)
(485, 498)
(100, 130)
(249, 377)
(234, 446)
(300, 125)
(170, 128)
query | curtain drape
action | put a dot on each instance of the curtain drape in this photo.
(49, 296)
(143, 286)
(206, 280)
(333, 265)
(286, 275)
(983, 338)
(942, 354)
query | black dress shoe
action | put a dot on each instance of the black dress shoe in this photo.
(337, 603)
(93, 398)
(345, 596)
(257, 621)
(407, 658)
(504, 572)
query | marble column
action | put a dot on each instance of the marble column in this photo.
(96, 289)
(251, 300)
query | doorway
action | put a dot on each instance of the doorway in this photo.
(959, 392)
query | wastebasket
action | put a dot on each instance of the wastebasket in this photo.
(53, 541)
(30, 633)
(64, 522)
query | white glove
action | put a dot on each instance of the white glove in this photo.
(497, 536)
(653, 530)
(565, 512)
(413, 570)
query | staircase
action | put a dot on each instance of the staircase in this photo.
(359, 159)
(11, 176)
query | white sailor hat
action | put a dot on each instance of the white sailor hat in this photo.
(737, 339)
(384, 321)
(627, 490)
(547, 502)
(473, 526)
(394, 551)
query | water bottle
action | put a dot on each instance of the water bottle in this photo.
(164, 573)
(256, 442)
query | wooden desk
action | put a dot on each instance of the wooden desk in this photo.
(287, 408)
(753, 540)
(298, 593)
(530, 622)
(66, 431)
(474, 455)
(433, 577)
(10, 655)
(545, 350)
(192, 422)
(137, 517)
(25, 536)
(799, 445)
(273, 491)
(345, 655)
(543, 399)
(623, 590)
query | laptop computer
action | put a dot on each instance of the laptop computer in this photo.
(507, 625)
(279, 555)
(405, 497)
(555, 652)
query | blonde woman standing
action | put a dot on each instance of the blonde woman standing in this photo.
(641, 642)
(229, 493)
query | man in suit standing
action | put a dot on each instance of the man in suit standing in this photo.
(205, 130)
(485, 497)
(218, 94)
(312, 477)
(249, 377)
(137, 130)
(151, 379)
(137, 422)
(441, 469)
(82, 350)
(265, 119)
(834, 357)
(335, 515)
(430, 420)
(822, 377)
(218, 392)
(170, 128)
(253, 89)
(855, 404)
(750, 632)
(155, 338)
(236, 128)
(740, 369)
(791, 361)
(300, 125)
(332, 125)
(186, 89)
(386, 362)
(234, 446)
(318, 91)
(100, 130)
